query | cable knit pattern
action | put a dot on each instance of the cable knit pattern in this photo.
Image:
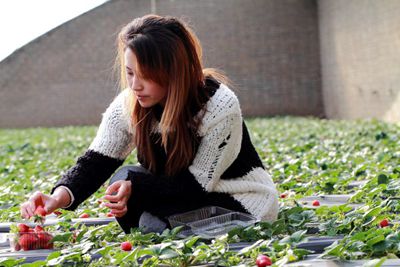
(256, 191)
(222, 141)
(113, 137)
(218, 149)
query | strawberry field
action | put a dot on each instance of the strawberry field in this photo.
(338, 183)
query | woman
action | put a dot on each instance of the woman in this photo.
(187, 127)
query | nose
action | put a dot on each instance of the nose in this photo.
(136, 84)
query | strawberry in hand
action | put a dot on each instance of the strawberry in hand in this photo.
(40, 215)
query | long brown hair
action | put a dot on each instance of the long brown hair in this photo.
(168, 53)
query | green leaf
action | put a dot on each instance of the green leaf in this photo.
(383, 179)
(34, 264)
(334, 250)
(372, 212)
(62, 237)
(375, 240)
(81, 234)
(190, 243)
(168, 254)
(375, 262)
(53, 255)
(295, 238)
(8, 262)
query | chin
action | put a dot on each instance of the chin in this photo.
(146, 105)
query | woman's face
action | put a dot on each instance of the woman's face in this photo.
(147, 92)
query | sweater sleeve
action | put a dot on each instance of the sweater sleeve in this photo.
(218, 148)
(112, 144)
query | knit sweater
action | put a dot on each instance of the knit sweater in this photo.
(226, 160)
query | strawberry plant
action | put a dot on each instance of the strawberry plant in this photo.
(305, 157)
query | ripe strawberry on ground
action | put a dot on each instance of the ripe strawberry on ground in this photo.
(84, 215)
(263, 261)
(315, 203)
(110, 214)
(28, 241)
(283, 195)
(384, 223)
(126, 246)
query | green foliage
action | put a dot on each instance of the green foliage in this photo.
(305, 156)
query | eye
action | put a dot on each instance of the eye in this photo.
(129, 73)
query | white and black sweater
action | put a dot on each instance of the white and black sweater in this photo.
(226, 160)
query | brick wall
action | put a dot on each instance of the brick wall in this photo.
(360, 42)
(269, 48)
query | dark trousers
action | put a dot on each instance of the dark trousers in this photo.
(168, 207)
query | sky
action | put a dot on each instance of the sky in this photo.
(21, 21)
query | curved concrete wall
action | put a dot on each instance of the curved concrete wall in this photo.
(360, 55)
(269, 48)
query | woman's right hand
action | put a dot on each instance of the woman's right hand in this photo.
(50, 203)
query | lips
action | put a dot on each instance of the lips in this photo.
(141, 97)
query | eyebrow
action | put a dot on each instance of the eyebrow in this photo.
(128, 68)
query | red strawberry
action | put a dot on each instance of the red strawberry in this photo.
(110, 214)
(84, 215)
(40, 211)
(283, 195)
(28, 241)
(23, 228)
(50, 245)
(17, 247)
(38, 229)
(315, 203)
(39, 215)
(126, 246)
(44, 240)
(384, 223)
(263, 261)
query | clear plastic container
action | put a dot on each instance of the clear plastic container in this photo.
(222, 224)
(196, 215)
(30, 241)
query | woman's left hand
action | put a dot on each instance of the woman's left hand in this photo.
(118, 194)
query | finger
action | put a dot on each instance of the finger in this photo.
(113, 188)
(26, 211)
(31, 208)
(117, 206)
(119, 213)
(111, 198)
(23, 211)
(116, 198)
(32, 203)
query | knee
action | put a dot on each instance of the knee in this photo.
(150, 223)
(122, 173)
